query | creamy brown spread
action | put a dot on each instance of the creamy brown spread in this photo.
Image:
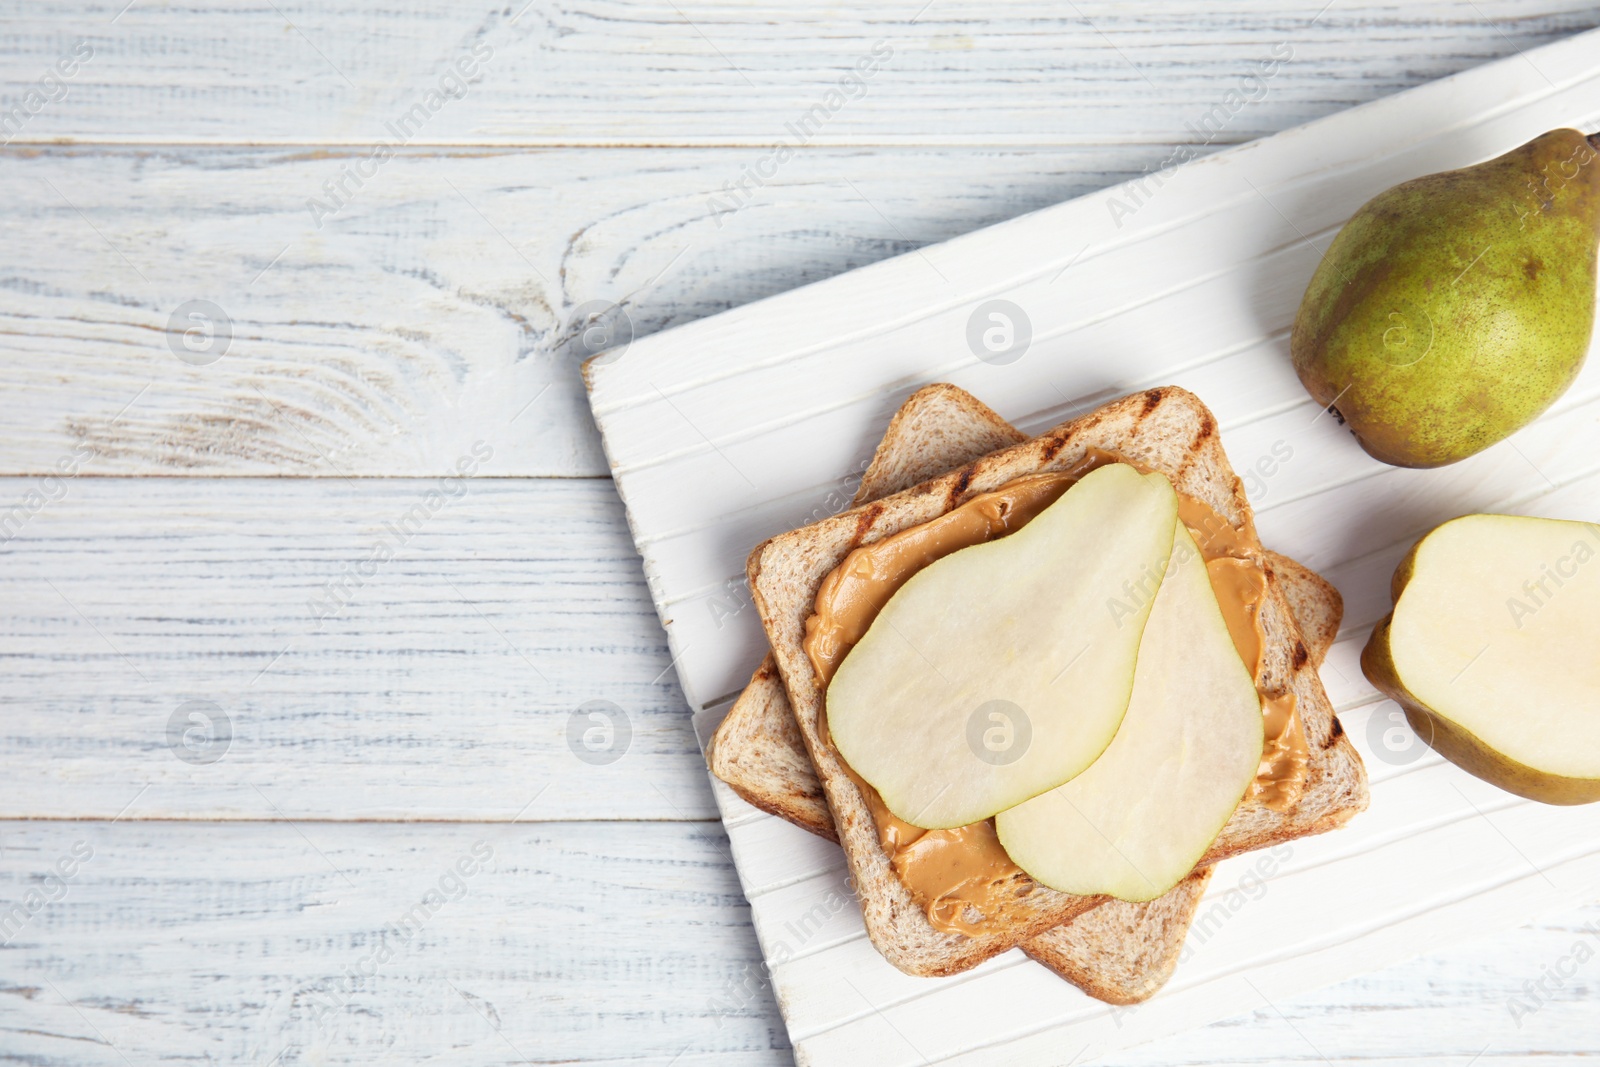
(1282, 776)
(1240, 585)
(855, 591)
(962, 877)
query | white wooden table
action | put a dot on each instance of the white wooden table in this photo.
(302, 629)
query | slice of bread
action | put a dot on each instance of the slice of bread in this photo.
(1119, 952)
(938, 428)
(1168, 430)
(1316, 605)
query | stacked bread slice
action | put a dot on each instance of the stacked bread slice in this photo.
(942, 448)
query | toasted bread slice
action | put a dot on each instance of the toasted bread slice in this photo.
(1166, 429)
(1120, 952)
(1316, 605)
(1123, 953)
(758, 750)
(938, 428)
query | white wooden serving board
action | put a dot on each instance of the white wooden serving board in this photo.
(746, 424)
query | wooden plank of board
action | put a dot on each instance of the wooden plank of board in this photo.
(707, 409)
(476, 649)
(266, 943)
(583, 943)
(717, 72)
(440, 306)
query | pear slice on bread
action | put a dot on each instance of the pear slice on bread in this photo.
(997, 672)
(1135, 823)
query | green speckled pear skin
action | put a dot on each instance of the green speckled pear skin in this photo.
(1453, 309)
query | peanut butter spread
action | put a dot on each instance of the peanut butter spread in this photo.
(962, 877)
(1240, 585)
(854, 592)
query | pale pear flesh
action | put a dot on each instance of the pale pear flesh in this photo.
(1492, 649)
(1001, 670)
(1135, 823)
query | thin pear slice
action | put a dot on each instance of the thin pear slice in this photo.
(1002, 670)
(1492, 651)
(1137, 821)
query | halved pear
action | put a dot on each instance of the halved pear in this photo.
(1003, 669)
(1137, 821)
(1493, 650)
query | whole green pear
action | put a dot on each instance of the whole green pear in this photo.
(1451, 310)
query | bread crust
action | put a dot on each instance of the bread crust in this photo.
(1123, 953)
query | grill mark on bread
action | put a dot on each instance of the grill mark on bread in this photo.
(864, 523)
(958, 487)
(1335, 732)
(1208, 430)
(1301, 655)
(1052, 446)
(1152, 400)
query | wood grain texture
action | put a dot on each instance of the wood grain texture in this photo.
(726, 72)
(595, 942)
(420, 319)
(439, 298)
(349, 943)
(436, 309)
(444, 684)
(1458, 1005)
